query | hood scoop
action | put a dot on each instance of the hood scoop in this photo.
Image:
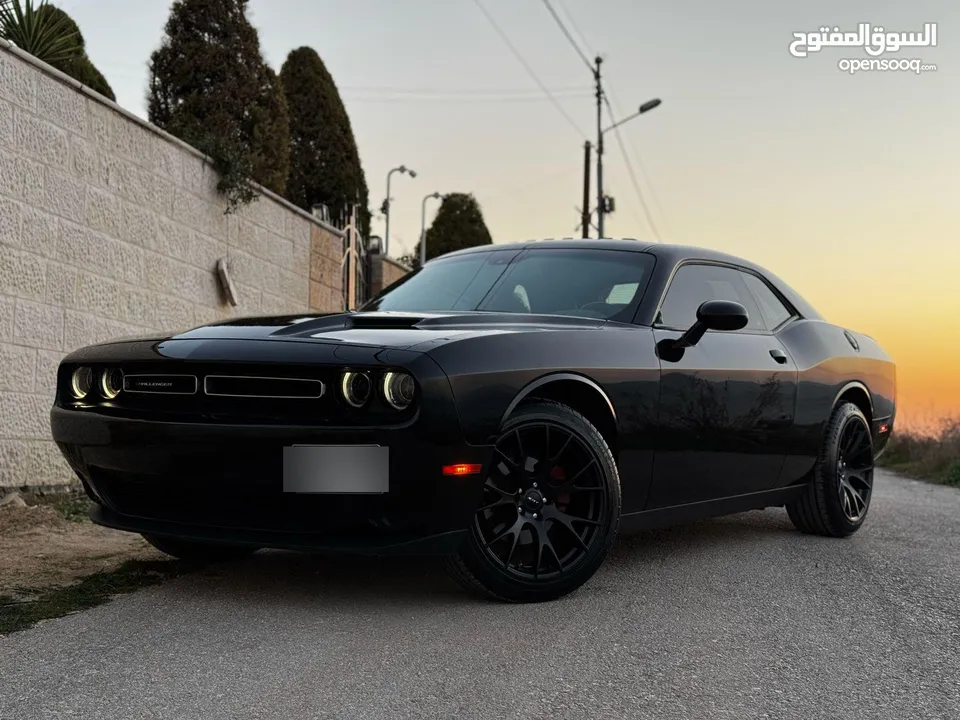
(443, 321)
(383, 320)
(348, 321)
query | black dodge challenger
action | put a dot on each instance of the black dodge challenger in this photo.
(511, 406)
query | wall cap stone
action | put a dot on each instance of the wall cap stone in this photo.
(396, 264)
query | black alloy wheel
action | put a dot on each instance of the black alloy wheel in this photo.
(855, 469)
(549, 510)
(837, 499)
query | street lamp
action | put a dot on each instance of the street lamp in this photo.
(601, 207)
(423, 225)
(386, 204)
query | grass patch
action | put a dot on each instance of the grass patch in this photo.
(30, 607)
(72, 505)
(933, 456)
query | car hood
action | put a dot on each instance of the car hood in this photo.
(406, 331)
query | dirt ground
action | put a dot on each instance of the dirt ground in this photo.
(42, 549)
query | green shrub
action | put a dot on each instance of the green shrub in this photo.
(83, 70)
(933, 456)
(210, 87)
(952, 474)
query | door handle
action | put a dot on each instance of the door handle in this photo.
(779, 356)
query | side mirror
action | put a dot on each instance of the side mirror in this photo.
(713, 315)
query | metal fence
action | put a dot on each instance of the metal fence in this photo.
(355, 264)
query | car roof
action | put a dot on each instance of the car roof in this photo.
(670, 254)
(603, 244)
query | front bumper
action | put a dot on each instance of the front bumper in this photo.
(224, 482)
(444, 543)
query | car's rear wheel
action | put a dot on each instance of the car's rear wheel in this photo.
(197, 551)
(836, 502)
(550, 508)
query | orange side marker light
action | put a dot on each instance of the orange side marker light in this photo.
(461, 469)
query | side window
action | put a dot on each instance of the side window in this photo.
(773, 310)
(694, 285)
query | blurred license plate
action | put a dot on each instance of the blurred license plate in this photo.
(339, 469)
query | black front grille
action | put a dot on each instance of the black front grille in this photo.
(238, 393)
(247, 386)
(249, 393)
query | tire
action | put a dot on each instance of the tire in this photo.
(198, 551)
(564, 538)
(841, 469)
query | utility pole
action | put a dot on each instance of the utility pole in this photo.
(585, 213)
(600, 198)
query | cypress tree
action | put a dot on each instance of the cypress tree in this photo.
(459, 224)
(210, 87)
(271, 134)
(324, 160)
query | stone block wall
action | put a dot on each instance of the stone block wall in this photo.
(384, 272)
(326, 272)
(109, 227)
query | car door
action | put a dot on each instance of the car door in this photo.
(727, 404)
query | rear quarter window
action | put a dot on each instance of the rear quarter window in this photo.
(774, 312)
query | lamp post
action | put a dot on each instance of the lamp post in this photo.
(601, 202)
(423, 225)
(386, 205)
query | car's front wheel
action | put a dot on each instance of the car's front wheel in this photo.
(836, 501)
(550, 508)
(197, 551)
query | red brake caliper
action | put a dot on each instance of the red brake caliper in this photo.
(558, 477)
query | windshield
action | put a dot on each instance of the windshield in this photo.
(606, 284)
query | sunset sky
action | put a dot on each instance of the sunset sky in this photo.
(845, 185)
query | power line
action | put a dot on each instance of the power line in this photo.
(653, 194)
(576, 29)
(594, 70)
(643, 172)
(601, 97)
(526, 66)
(462, 91)
(636, 156)
(440, 99)
(567, 34)
(527, 185)
(632, 173)
(435, 95)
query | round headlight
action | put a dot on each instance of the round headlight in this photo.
(355, 388)
(82, 382)
(399, 390)
(111, 383)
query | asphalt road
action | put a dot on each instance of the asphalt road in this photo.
(740, 617)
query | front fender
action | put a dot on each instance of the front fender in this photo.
(490, 375)
(557, 377)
